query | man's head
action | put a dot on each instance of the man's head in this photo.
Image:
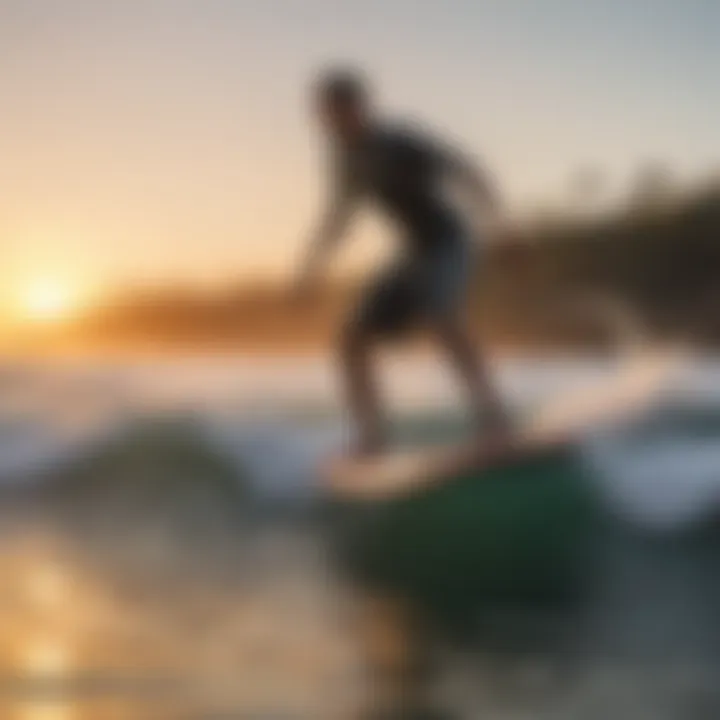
(343, 102)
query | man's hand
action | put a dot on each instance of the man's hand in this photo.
(304, 288)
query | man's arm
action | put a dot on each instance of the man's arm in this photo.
(475, 178)
(331, 229)
(493, 215)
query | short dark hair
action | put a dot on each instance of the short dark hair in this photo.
(344, 86)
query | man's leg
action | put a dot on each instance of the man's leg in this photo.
(467, 359)
(361, 391)
(470, 364)
(384, 310)
(445, 279)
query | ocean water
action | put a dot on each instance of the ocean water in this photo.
(278, 417)
(138, 578)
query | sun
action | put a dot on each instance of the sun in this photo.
(47, 301)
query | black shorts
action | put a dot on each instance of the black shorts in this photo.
(423, 287)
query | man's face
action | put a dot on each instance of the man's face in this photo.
(342, 119)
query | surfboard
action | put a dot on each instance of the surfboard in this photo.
(460, 526)
(550, 427)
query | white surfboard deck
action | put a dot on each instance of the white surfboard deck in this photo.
(559, 422)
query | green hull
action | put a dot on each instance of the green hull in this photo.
(516, 535)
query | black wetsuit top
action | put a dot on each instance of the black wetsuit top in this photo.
(402, 171)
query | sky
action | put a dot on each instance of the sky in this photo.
(159, 140)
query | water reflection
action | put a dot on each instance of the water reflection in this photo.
(84, 637)
(47, 585)
(37, 635)
(38, 711)
(44, 657)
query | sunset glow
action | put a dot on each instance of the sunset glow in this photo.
(47, 300)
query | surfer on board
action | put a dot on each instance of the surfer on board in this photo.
(403, 171)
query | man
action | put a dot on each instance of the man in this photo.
(405, 174)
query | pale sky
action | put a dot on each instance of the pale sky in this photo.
(147, 140)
